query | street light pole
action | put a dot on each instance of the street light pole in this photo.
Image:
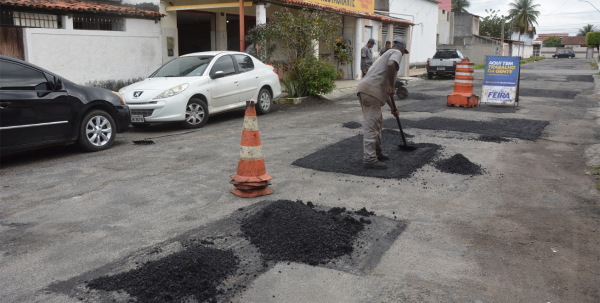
(590, 4)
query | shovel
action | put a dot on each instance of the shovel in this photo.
(404, 147)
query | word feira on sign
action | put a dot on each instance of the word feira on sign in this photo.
(501, 80)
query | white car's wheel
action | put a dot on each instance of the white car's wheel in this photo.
(196, 114)
(263, 104)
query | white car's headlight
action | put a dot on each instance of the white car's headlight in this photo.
(122, 90)
(172, 91)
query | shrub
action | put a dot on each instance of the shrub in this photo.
(113, 85)
(289, 38)
(311, 77)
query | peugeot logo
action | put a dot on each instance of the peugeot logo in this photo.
(137, 94)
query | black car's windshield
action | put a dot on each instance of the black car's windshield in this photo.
(184, 67)
(446, 55)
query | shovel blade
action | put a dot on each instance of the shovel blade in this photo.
(407, 148)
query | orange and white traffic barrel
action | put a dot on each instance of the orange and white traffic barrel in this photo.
(463, 95)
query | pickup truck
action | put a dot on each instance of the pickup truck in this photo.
(443, 62)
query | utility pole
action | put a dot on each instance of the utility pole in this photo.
(502, 38)
(242, 27)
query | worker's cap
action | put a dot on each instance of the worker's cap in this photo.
(371, 40)
(400, 42)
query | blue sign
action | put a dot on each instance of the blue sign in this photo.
(500, 80)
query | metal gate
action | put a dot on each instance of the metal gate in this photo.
(399, 31)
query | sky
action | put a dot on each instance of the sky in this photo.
(556, 16)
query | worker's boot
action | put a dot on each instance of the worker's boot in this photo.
(383, 157)
(375, 165)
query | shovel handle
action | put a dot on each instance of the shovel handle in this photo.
(398, 119)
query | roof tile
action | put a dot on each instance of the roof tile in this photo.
(343, 11)
(82, 7)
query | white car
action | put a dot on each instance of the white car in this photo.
(194, 86)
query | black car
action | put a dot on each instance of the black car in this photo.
(564, 54)
(39, 108)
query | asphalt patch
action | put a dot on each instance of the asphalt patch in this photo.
(492, 139)
(191, 273)
(346, 156)
(420, 96)
(352, 125)
(547, 93)
(440, 104)
(458, 164)
(292, 231)
(184, 256)
(523, 129)
(580, 78)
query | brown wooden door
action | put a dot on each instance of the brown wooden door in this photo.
(11, 42)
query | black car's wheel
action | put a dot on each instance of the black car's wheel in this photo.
(429, 75)
(263, 104)
(196, 114)
(97, 131)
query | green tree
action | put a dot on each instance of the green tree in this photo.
(586, 29)
(289, 40)
(460, 6)
(491, 25)
(593, 40)
(524, 15)
(552, 42)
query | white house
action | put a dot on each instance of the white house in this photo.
(424, 14)
(84, 41)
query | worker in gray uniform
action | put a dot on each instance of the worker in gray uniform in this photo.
(366, 56)
(373, 92)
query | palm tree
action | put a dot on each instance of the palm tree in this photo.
(586, 29)
(460, 6)
(523, 14)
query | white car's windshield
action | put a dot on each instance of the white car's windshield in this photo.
(184, 67)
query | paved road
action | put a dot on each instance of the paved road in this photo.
(525, 231)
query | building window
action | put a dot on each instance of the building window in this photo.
(98, 23)
(20, 19)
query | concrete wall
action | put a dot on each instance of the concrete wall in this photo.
(527, 38)
(463, 25)
(168, 26)
(424, 33)
(87, 55)
(445, 32)
(477, 52)
(580, 52)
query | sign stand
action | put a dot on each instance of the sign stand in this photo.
(501, 80)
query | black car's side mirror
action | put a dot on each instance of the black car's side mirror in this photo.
(58, 85)
(218, 74)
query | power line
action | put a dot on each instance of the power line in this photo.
(559, 7)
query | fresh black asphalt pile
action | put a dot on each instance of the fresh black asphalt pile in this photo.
(523, 129)
(293, 231)
(547, 93)
(346, 157)
(458, 164)
(352, 125)
(194, 272)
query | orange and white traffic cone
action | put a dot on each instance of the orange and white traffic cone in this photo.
(251, 179)
(463, 95)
